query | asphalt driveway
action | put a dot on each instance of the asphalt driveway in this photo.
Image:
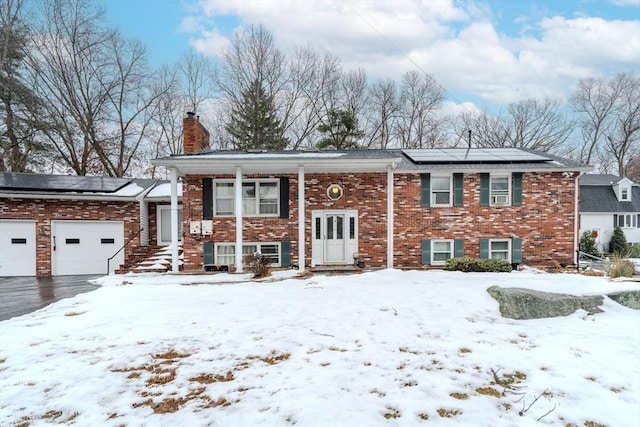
(22, 295)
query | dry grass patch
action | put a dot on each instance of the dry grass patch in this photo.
(617, 389)
(212, 378)
(423, 416)
(593, 424)
(459, 396)
(170, 355)
(74, 313)
(273, 358)
(407, 350)
(392, 413)
(341, 350)
(488, 391)
(448, 413)
(465, 350)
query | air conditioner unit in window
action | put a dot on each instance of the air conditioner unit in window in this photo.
(500, 199)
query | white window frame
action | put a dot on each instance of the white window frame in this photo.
(628, 220)
(247, 248)
(492, 251)
(499, 198)
(433, 192)
(160, 209)
(256, 200)
(433, 251)
(624, 193)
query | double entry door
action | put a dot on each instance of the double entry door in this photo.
(335, 236)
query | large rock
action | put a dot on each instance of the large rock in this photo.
(518, 303)
(629, 299)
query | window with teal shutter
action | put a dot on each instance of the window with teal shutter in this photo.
(516, 198)
(516, 250)
(457, 189)
(425, 189)
(208, 253)
(458, 248)
(285, 253)
(426, 252)
(207, 198)
(484, 248)
(484, 189)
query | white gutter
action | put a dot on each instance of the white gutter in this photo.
(68, 196)
(576, 219)
(301, 215)
(175, 266)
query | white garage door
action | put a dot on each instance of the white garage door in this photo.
(83, 247)
(17, 248)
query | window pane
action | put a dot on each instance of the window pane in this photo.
(352, 228)
(441, 198)
(441, 246)
(249, 249)
(269, 190)
(339, 227)
(224, 189)
(224, 207)
(318, 228)
(330, 227)
(499, 255)
(441, 256)
(500, 246)
(271, 252)
(440, 183)
(248, 190)
(225, 254)
(500, 185)
(268, 206)
(248, 206)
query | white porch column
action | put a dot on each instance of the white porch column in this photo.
(238, 210)
(390, 237)
(175, 266)
(301, 214)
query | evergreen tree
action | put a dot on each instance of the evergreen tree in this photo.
(588, 244)
(618, 243)
(341, 128)
(254, 124)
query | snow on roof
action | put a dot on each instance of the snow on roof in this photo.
(163, 190)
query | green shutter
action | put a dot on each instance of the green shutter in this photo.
(208, 253)
(285, 253)
(207, 198)
(457, 189)
(516, 199)
(425, 189)
(516, 250)
(458, 248)
(484, 189)
(615, 220)
(484, 248)
(284, 197)
(426, 252)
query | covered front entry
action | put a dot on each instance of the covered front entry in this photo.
(335, 236)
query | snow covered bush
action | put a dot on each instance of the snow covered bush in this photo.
(478, 265)
(258, 264)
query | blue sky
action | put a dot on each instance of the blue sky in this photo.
(484, 52)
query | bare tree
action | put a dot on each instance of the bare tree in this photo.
(623, 141)
(98, 89)
(382, 114)
(420, 97)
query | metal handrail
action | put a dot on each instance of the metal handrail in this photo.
(123, 246)
(584, 254)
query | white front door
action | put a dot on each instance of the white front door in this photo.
(164, 224)
(334, 236)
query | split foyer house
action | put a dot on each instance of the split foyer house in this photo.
(386, 208)
(607, 202)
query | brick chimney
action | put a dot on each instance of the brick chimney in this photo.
(195, 136)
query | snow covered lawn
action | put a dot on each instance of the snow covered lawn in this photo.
(383, 348)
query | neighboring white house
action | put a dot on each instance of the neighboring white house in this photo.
(606, 202)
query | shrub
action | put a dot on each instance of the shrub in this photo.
(257, 264)
(621, 267)
(588, 244)
(618, 243)
(634, 251)
(478, 265)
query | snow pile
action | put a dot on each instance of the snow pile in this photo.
(383, 348)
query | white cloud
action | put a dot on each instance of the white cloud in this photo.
(457, 43)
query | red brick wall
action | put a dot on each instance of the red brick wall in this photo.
(544, 222)
(45, 210)
(196, 136)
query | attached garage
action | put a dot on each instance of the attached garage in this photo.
(83, 247)
(17, 248)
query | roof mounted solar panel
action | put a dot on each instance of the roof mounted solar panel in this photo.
(473, 155)
(61, 183)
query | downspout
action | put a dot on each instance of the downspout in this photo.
(175, 266)
(390, 236)
(301, 215)
(238, 210)
(576, 219)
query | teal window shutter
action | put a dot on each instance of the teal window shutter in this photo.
(425, 189)
(484, 189)
(208, 253)
(615, 220)
(458, 248)
(284, 197)
(457, 189)
(207, 198)
(426, 252)
(516, 250)
(516, 198)
(484, 248)
(285, 253)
